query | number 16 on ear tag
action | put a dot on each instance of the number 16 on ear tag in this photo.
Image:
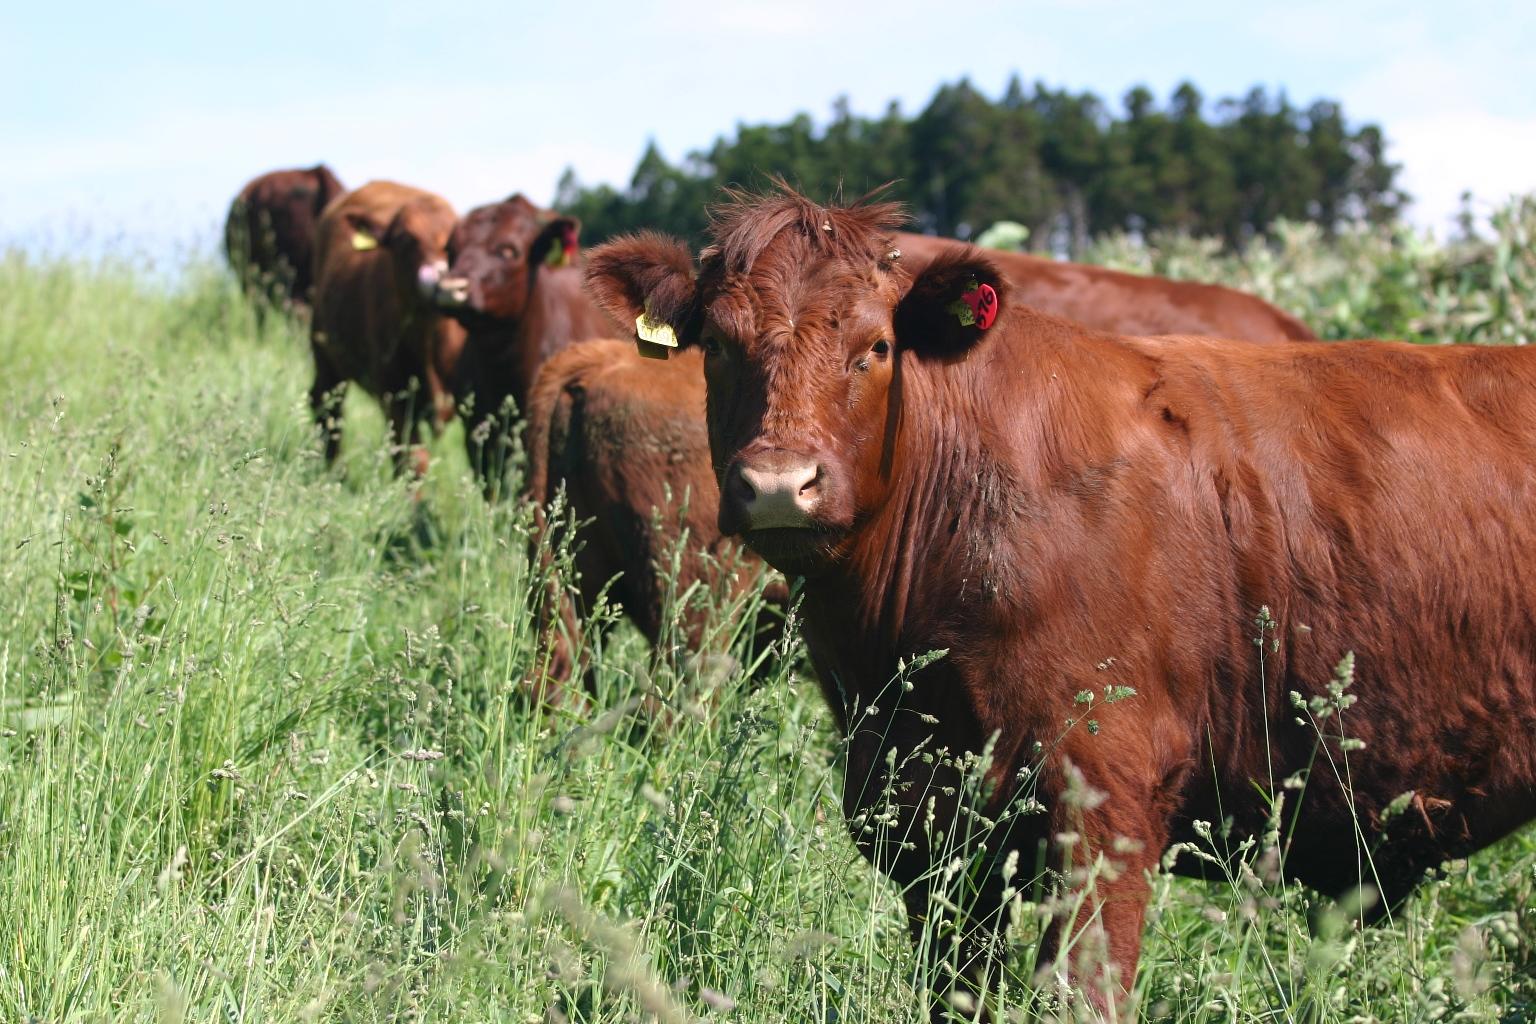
(655, 336)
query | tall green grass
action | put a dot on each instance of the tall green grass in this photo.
(264, 754)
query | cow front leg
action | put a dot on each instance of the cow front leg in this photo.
(410, 455)
(1104, 843)
(960, 937)
(325, 403)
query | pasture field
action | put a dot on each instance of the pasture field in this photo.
(263, 755)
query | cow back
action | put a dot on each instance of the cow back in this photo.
(624, 440)
(269, 234)
(1123, 303)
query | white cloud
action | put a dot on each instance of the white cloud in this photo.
(1437, 105)
(1443, 83)
(1447, 153)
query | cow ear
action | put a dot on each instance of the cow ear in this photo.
(556, 243)
(647, 280)
(951, 304)
(366, 233)
(328, 187)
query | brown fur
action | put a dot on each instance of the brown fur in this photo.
(518, 312)
(269, 235)
(1063, 510)
(617, 434)
(375, 323)
(1112, 300)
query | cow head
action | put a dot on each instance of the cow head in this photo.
(806, 317)
(498, 251)
(416, 239)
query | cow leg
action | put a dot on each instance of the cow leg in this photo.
(1104, 854)
(489, 434)
(484, 444)
(436, 361)
(962, 952)
(405, 434)
(325, 402)
(258, 299)
(556, 620)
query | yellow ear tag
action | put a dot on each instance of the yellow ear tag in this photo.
(557, 257)
(362, 241)
(657, 332)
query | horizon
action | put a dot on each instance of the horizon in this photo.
(142, 147)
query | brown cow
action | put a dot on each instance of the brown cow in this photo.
(515, 286)
(1100, 297)
(625, 440)
(1075, 515)
(381, 251)
(269, 235)
(1112, 300)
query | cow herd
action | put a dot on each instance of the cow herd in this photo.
(1280, 572)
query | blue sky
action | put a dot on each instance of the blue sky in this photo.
(135, 123)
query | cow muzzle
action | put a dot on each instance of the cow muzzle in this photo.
(776, 491)
(452, 292)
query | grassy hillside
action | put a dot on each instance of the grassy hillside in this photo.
(263, 755)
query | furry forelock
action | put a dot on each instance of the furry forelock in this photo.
(746, 223)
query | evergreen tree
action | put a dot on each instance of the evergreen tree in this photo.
(1052, 159)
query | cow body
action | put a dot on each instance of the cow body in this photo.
(622, 439)
(380, 253)
(269, 235)
(515, 286)
(1068, 512)
(1125, 524)
(1113, 300)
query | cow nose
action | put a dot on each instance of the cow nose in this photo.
(453, 291)
(783, 493)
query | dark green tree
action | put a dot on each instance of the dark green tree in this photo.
(1055, 160)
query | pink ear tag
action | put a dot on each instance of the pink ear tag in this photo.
(982, 302)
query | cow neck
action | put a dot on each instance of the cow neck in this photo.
(501, 338)
(550, 320)
(969, 459)
(549, 325)
(888, 588)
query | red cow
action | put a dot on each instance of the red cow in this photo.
(617, 481)
(1112, 300)
(624, 438)
(269, 235)
(515, 286)
(1075, 515)
(380, 252)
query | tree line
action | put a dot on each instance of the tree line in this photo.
(1061, 163)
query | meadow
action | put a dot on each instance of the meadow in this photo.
(264, 754)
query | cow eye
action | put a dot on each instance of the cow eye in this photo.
(712, 346)
(507, 252)
(881, 348)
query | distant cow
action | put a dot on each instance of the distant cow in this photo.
(515, 286)
(1076, 516)
(624, 438)
(269, 235)
(1112, 300)
(380, 253)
